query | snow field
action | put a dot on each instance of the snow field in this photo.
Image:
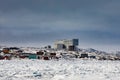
(59, 70)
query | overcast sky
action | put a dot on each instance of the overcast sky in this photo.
(96, 23)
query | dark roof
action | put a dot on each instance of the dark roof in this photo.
(14, 48)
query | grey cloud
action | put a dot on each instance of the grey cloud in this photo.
(94, 22)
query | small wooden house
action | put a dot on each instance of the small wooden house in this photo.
(92, 57)
(52, 55)
(32, 56)
(24, 55)
(45, 58)
(1, 57)
(8, 56)
(84, 55)
(6, 50)
(40, 54)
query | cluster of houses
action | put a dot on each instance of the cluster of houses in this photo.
(62, 49)
(14, 52)
(17, 53)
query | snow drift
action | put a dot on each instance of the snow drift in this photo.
(74, 69)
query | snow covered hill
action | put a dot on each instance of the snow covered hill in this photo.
(80, 53)
(74, 69)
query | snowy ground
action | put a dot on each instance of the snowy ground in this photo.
(59, 70)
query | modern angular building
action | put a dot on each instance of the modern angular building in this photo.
(67, 44)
